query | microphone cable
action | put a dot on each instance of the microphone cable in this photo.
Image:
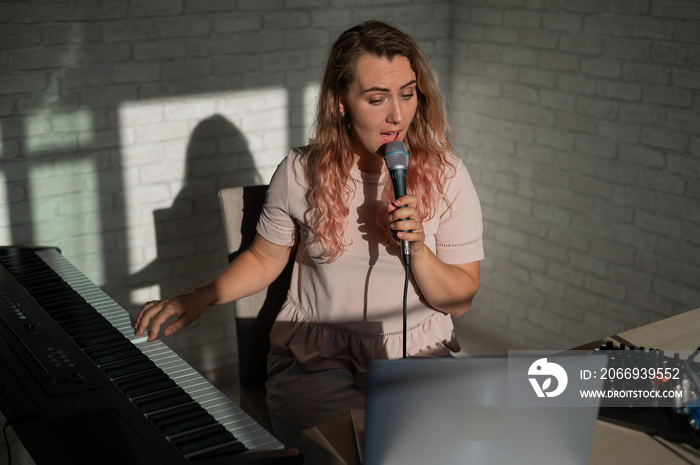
(407, 266)
(7, 442)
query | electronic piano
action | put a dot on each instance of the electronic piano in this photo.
(78, 387)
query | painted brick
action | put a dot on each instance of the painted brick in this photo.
(286, 20)
(619, 89)
(619, 131)
(684, 121)
(613, 26)
(132, 73)
(19, 36)
(190, 26)
(99, 10)
(186, 69)
(674, 53)
(537, 77)
(640, 113)
(501, 35)
(538, 39)
(683, 10)
(687, 32)
(156, 8)
(159, 51)
(577, 83)
(522, 19)
(39, 12)
(665, 139)
(601, 67)
(650, 74)
(665, 95)
(20, 83)
(581, 45)
(686, 78)
(562, 22)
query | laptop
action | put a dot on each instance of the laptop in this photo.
(457, 411)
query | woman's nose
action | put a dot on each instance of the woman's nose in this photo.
(395, 114)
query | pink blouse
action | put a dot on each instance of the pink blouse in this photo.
(344, 313)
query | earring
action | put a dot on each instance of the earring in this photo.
(346, 117)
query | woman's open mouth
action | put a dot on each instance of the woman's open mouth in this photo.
(390, 136)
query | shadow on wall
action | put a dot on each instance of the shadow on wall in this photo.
(189, 235)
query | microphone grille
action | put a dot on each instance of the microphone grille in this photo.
(396, 154)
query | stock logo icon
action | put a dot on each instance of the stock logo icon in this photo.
(541, 373)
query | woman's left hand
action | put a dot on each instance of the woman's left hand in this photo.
(405, 221)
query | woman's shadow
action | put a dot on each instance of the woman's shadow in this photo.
(191, 243)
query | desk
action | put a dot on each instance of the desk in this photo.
(334, 444)
(680, 332)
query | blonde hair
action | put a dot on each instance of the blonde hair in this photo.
(330, 158)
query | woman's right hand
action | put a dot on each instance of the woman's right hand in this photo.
(252, 271)
(186, 308)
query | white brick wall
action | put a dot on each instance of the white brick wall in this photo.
(579, 123)
(121, 120)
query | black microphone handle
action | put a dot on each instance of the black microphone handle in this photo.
(398, 179)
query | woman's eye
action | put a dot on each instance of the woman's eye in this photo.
(407, 96)
(376, 101)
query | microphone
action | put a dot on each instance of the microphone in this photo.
(396, 159)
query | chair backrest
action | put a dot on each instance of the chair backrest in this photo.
(254, 315)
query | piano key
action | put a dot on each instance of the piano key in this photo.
(128, 366)
(183, 425)
(97, 338)
(207, 436)
(163, 400)
(107, 354)
(176, 414)
(140, 379)
(75, 328)
(231, 448)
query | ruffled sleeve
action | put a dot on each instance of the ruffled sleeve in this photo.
(458, 238)
(276, 223)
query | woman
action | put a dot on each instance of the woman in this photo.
(331, 204)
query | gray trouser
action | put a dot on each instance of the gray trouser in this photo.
(299, 399)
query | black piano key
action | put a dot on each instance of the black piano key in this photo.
(235, 447)
(194, 435)
(176, 414)
(137, 379)
(83, 327)
(202, 439)
(147, 385)
(98, 337)
(67, 318)
(149, 388)
(181, 419)
(49, 291)
(129, 366)
(162, 400)
(151, 397)
(67, 314)
(30, 279)
(55, 307)
(189, 424)
(102, 355)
